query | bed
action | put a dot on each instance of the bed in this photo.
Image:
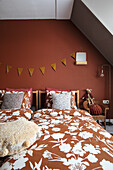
(70, 139)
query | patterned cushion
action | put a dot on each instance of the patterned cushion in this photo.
(61, 101)
(26, 103)
(24, 90)
(49, 93)
(95, 109)
(12, 101)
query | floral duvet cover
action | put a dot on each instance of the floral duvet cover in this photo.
(8, 115)
(69, 140)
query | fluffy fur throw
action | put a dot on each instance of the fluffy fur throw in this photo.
(17, 135)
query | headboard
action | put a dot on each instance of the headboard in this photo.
(42, 96)
(35, 100)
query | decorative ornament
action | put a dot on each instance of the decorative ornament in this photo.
(8, 68)
(20, 71)
(73, 55)
(64, 61)
(53, 66)
(42, 69)
(31, 70)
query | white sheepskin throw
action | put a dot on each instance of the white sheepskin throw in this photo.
(17, 135)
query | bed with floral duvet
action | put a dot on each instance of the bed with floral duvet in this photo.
(70, 139)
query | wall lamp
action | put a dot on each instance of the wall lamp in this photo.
(102, 75)
(109, 84)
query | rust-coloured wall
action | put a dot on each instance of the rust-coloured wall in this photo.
(36, 43)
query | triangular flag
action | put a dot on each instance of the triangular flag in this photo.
(64, 61)
(8, 68)
(42, 69)
(31, 70)
(20, 71)
(0, 63)
(53, 66)
(73, 55)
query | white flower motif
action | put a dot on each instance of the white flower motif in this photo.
(85, 135)
(7, 165)
(28, 115)
(75, 124)
(37, 115)
(56, 129)
(16, 113)
(57, 135)
(53, 113)
(72, 128)
(106, 165)
(20, 163)
(90, 148)
(65, 147)
(53, 121)
(47, 154)
(92, 158)
(76, 114)
(106, 134)
(77, 149)
(92, 126)
(46, 137)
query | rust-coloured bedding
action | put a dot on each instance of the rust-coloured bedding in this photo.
(69, 140)
(7, 115)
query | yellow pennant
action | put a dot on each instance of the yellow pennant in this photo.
(64, 61)
(42, 69)
(8, 68)
(73, 55)
(53, 66)
(20, 71)
(31, 70)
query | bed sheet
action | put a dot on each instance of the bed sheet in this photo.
(69, 140)
(7, 115)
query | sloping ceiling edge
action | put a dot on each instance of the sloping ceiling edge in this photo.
(92, 28)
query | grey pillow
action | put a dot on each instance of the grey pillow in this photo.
(12, 101)
(61, 101)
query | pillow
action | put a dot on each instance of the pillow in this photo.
(16, 136)
(30, 89)
(12, 101)
(50, 91)
(95, 109)
(26, 99)
(61, 101)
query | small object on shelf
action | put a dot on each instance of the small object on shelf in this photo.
(81, 58)
(105, 101)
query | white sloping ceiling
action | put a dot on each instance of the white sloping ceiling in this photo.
(103, 10)
(64, 9)
(93, 29)
(35, 9)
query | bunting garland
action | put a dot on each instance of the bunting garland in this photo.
(73, 55)
(31, 70)
(53, 66)
(42, 69)
(8, 68)
(20, 71)
(64, 61)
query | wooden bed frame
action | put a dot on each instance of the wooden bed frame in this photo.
(35, 99)
(43, 92)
